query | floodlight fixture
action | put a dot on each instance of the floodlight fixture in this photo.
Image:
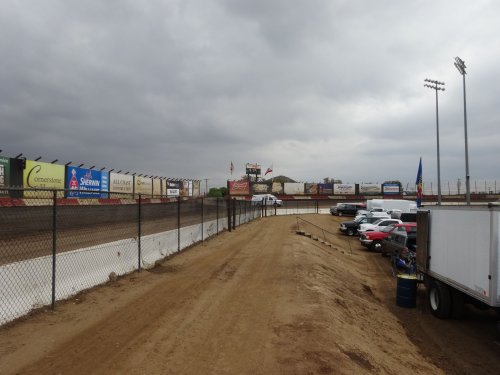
(103, 168)
(38, 158)
(81, 165)
(53, 161)
(18, 156)
(68, 163)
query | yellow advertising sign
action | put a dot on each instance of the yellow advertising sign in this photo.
(39, 175)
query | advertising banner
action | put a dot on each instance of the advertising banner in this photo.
(253, 169)
(239, 188)
(121, 183)
(42, 176)
(367, 189)
(260, 188)
(157, 187)
(86, 179)
(391, 189)
(325, 189)
(184, 188)
(277, 188)
(173, 192)
(190, 188)
(311, 188)
(143, 185)
(174, 188)
(196, 189)
(344, 189)
(294, 188)
(4, 172)
(164, 187)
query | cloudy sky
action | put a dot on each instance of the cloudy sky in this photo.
(317, 88)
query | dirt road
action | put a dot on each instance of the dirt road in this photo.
(259, 300)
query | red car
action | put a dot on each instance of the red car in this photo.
(373, 240)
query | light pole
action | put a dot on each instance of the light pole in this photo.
(436, 85)
(460, 65)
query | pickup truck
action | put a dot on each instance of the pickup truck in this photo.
(373, 240)
(377, 225)
(351, 227)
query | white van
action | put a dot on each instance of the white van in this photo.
(267, 199)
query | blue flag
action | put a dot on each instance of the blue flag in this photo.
(419, 184)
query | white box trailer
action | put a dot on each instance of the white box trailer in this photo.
(458, 257)
(392, 204)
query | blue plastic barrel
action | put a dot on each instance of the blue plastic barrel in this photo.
(406, 293)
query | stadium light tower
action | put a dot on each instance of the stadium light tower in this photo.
(460, 65)
(436, 86)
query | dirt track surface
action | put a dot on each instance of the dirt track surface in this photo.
(259, 300)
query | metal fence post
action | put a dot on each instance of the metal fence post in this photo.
(201, 219)
(229, 213)
(178, 223)
(54, 246)
(217, 213)
(234, 213)
(139, 233)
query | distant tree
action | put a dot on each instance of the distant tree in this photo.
(223, 191)
(280, 179)
(214, 193)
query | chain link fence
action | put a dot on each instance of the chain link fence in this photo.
(52, 247)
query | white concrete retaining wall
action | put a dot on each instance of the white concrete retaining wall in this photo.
(27, 285)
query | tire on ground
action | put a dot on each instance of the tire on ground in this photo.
(439, 299)
(350, 232)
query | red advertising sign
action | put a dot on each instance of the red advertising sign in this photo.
(239, 188)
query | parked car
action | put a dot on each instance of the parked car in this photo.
(373, 240)
(378, 225)
(373, 211)
(346, 209)
(379, 214)
(266, 199)
(351, 227)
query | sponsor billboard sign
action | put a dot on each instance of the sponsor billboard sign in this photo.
(157, 187)
(163, 187)
(4, 172)
(311, 188)
(173, 192)
(391, 189)
(294, 188)
(239, 188)
(367, 189)
(260, 188)
(277, 188)
(143, 185)
(121, 183)
(184, 187)
(325, 189)
(88, 180)
(253, 168)
(196, 188)
(40, 175)
(344, 189)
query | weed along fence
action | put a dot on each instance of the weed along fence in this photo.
(52, 248)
